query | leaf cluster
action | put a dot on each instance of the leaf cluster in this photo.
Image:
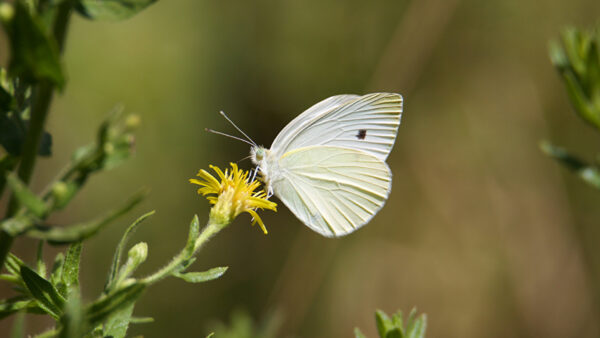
(395, 327)
(577, 59)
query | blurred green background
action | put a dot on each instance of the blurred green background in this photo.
(482, 232)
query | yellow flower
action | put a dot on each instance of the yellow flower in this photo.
(233, 195)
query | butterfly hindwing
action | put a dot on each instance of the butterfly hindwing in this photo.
(333, 190)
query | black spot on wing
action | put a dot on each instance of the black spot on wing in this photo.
(362, 133)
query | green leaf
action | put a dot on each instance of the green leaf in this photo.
(15, 226)
(41, 266)
(6, 100)
(10, 306)
(117, 324)
(190, 246)
(120, 299)
(47, 296)
(70, 273)
(78, 232)
(205, 276)
(588, 173)
(56, 274)
(111, 10)
(27, 198)
(13, 264)
(120, 247)
(34, 54)
(384, 324)
(417, 328)
(358, 333)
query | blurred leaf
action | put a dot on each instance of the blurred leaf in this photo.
(6, 100)
(588, 173)
(72, 323)
(358, 334)
(417, 328)
(56, 274)
(118, 322)
(119, 251)
(205, 276)
(70, 268)
(34, 54)
(41, 266)
(394, 333)
(47, 296)
(78, 232)
(103, 308)
(13, 264)
(27, 198)
(384, 324)
(10, 306)
(141, 320)
(111, 10)
(577, 60)
(17, 225)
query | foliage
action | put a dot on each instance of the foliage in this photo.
(395, 327)
(577, 59)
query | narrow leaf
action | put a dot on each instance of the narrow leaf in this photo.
(417, 330)
(41, 266)
(588, 173)
(78, 232)
(27, 198)
(117, 324)
(205, 276)
(358, 333)
(48, 298)
(193, 235)
(111, 10)
(10, 306)
(383, 323)
(70, 273)
(120, 247)
(101, 309)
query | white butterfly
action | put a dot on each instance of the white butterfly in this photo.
(328, 165)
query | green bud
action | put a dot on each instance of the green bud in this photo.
(138, 253)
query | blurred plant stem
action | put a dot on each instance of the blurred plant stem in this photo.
(40, 106)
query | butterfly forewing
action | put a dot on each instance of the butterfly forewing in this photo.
(367, 123)
(333, 190)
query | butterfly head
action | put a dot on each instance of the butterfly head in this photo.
(258, 154)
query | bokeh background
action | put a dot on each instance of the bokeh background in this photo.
(481, 231)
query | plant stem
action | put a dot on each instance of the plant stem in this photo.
(208, 232)
(39, 112)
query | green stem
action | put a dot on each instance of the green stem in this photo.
(39, 112)
(208, 232)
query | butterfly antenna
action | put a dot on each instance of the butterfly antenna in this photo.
(230, 136)
(243, 159)
(236, 127)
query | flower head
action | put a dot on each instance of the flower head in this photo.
(232, 195)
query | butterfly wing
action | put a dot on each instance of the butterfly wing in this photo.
(333, 190)
(368, 123)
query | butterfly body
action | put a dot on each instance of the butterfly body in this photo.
(328, 165)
